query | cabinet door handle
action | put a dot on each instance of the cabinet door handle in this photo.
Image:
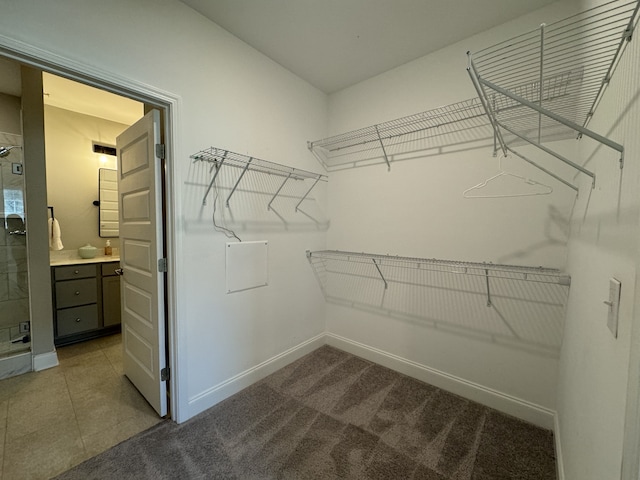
(77, 320)
(76, 272)
(77, 293)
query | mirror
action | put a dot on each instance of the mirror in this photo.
(108, 210)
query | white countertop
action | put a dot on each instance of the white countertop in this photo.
(71, 257)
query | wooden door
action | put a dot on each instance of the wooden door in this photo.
(141, 247)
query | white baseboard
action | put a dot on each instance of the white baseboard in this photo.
(558, 445)
(527, 411)
(530, 412)
(45, 360)
(15, 365)
(210, 397)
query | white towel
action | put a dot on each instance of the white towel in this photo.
(55, 238)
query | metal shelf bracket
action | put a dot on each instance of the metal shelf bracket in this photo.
(277, 192)
(386, 285)
(308, 192)
(486, 276)
(246, 167)
(384, 150)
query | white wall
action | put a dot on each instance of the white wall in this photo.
(232, 97)
(72, 166)
(604, 244)
(418, 210)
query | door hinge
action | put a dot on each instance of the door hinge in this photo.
(160, 150)
(162, 265)
(165, 374)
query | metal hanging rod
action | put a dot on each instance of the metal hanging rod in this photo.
(550, 81)
(486, 270)
(220, 158)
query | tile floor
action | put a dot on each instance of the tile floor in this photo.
(54, 419)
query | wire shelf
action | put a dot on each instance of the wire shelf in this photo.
(455, 267)
(219, 158)
(553, 78)
(460, 122)
(578, 54)
(451, 296)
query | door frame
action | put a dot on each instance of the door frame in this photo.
(165, 101)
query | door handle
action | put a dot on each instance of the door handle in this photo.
(119, 271)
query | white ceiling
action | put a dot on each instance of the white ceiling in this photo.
(333, 44)
(74, 96)
(77, 97)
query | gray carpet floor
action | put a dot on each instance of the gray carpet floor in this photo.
(334, 415)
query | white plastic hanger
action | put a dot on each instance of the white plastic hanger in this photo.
(543, 190)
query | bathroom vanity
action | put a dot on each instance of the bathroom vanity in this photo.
(86, 297)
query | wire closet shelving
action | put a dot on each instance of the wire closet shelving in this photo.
(542, 85)
(454, 267)
(382, 141)
(554, 77)
(219, 158)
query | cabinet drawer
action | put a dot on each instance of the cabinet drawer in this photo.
(109, 269)
(74, 271)
(77, 319)
(76, 292)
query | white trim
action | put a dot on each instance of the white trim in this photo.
(15, 365)
(527, 411)
(558, 443)
(530, 412)
(210, 397)
(107, 80)
(83, 72)
(43, 361)
(177, 331)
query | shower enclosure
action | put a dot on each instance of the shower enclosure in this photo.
(15, 335)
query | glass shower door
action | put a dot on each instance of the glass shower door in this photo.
(15, 336)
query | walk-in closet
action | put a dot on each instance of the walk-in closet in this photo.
(382, 241)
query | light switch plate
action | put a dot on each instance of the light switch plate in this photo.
(614, 306)
(16, 168)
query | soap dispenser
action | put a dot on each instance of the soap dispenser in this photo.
(107, 248)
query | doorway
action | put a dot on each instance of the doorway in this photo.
(82, 126)
(165, 108)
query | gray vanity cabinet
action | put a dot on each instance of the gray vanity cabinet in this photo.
(110, 294)
(86, 301)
